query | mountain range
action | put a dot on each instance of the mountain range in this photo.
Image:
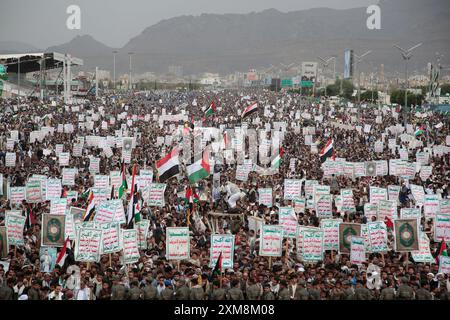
(225, 43)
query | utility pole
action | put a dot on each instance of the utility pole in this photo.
(130, 84)
(325, 63)
(114, 69)
(406, 55)
(18, 83)
(96, 82)
(358, 60)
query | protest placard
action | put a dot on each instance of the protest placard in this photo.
(423, 255)
(442, 228)
(271, 239)
(292, 189)
(288, 220)
(222, 243)
(110, 237)
(156, 194)
(357, 250)
(177, 243)
(14, 229)
(53, 189)
(346, 231)
(406, 233)
(313, 249)
(330, 228)
(53, 230)
(130, 246)
(87, 244)
(58, 206)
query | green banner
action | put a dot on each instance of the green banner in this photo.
(306, 84)
(3, 74)
(286, 83)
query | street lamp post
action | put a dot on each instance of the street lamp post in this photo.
(130, 85)
(358, 61)
(406, 55)
(18, 82)
(114, 69)
(325, 63)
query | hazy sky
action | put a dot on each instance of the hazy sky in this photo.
(42, 23)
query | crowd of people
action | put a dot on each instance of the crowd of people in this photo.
(386, 275)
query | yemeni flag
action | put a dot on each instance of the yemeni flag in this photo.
(327, 151)
(211, 110)
(249, 110)
(217, 271)
(124, 186)
(131, 203)
(277, 160)
(168, 166)
(419, 131)
(441, 251)
(63, 253)
(89, 214)
(200, 169)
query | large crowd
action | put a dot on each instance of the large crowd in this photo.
(386, 275)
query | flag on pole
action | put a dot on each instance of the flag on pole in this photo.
(327, 151)
(277, 160)
(30, 220)
(131, 208)
(441, 251)
(419, 131)
(249, 110)
(199, 169)
(62, 254)
(90, 208)
(211, 110)
(124, 186)
(86, 193)
(218, 267)
(168, 166)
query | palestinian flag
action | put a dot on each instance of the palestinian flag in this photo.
(131, 203)
(30, 220)
(86, 193)
(89, 214)
(62, 254)
(137, 211)
(124, 186)
(191, 194)
(249, 110)
(168, 166)
(327, 151)
(199, 169)
(419, 131)
(217, 271)
(211, 110)
(441, 251)
(277, 160)
(346, 232)
(406, 235)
